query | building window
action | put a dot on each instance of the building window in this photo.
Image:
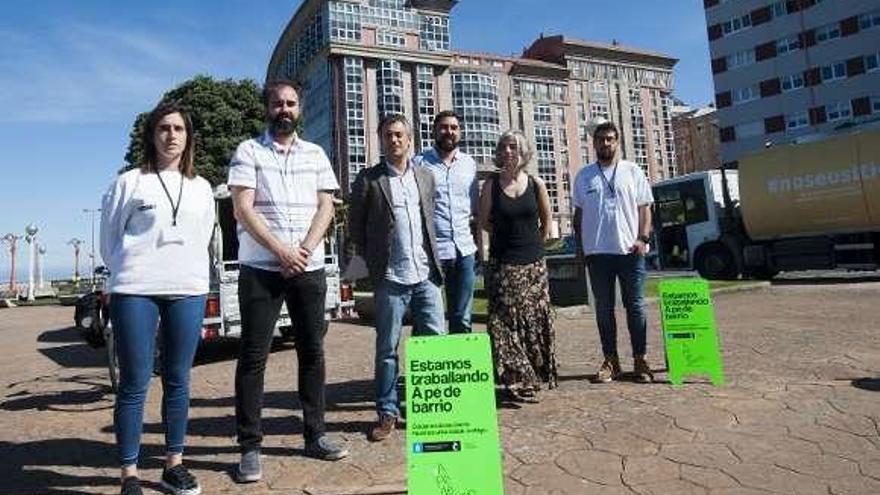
(389, 14)
(354, 115)
(780, 8)
(749, 129)
(740, 59)
(828, 32)
(872, 62)
(838, 111)
(786, 45)
(834, 71)
(390, 38)
(389, 82)
(345, 21)
(599, 109)
(475, 98)
(311, 39)
(736, 24)
(743, 95)
(388, 4)
(875, 104)
(796, 120)
(639, 139)
(558, 93)
(792, 82)
(426, 104)
(666, 110)
(560, 116)
(542, 114)
(869, 20)
(434, 33)
(544, 151)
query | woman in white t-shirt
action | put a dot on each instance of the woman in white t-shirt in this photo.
(156, 225)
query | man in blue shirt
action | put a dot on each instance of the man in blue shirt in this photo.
(455, 205)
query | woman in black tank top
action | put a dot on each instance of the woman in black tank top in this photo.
(515, 210)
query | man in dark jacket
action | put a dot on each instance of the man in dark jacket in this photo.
(391, 226)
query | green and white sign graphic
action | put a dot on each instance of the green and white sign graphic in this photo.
(451, 422)
(689, 330)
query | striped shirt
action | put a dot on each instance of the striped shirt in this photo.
(286, 189)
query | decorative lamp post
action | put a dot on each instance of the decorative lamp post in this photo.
(92, 212)
(12, 240)
(41, 253)
(75, 243)
(31, 238)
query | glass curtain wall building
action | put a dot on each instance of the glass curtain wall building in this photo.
(360, 59)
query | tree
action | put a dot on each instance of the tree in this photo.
(224, 113)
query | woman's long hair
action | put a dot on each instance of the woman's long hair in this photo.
(151, 155)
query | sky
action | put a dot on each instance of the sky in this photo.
(74, 74)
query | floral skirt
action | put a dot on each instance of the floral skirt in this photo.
(521, 325)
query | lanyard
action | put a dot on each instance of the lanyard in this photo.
(174, 208)
(610, 184)
(283, 171)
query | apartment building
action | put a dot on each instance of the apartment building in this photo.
(360, 59)
(786, 68)
(697, 140)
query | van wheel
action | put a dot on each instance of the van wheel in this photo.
(715, 262)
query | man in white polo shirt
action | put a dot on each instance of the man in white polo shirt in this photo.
(612, 221)
(282, 190)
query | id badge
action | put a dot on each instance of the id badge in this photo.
(610, 203)
(170, 234)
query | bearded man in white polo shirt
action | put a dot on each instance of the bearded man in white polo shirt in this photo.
(612, 221)
(282, 190)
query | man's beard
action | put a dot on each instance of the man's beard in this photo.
(446, 143)
(284, 124)
(605, 155)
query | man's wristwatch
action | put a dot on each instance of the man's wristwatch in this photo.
(644, 239)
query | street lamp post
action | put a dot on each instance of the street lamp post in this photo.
(31, 238)
(92, 212)
(75, 243)
(41, 253)
(12, 240)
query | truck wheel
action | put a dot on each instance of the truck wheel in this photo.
(716, 262)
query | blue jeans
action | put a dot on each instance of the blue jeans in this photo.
(391, 301)
(630, 270)
(135, 322)
(459, 274)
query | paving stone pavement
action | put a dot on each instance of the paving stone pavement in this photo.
(799, 413)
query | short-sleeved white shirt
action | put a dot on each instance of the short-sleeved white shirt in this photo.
(286, 189)
(610, 220)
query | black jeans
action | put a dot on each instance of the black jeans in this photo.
(260, 293)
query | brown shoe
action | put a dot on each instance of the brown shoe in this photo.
(609, 370)
(641, 370)
(383, 429)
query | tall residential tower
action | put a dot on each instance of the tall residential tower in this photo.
(785, 68)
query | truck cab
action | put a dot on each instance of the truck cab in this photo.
(688, 215)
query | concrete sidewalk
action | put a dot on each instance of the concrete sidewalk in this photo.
(799, 413)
